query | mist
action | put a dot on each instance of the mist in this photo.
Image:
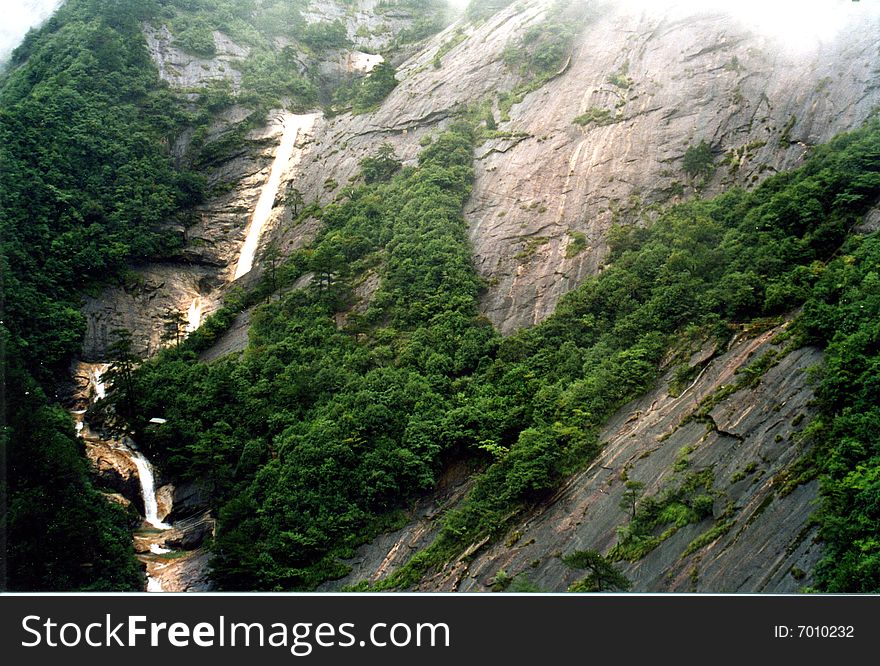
(19, 16)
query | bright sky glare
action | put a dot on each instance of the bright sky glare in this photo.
(18, 17)
(797, 24)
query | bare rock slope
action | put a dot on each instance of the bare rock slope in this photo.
(666, 79)
(741, 437)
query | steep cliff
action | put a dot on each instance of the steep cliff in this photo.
(757, 537)
(650, 107)
(667, 80)
(547, 189)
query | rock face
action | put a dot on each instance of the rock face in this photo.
(114, 468)
(184, 70)
(764, 540)
(678, 79)
(367, 24)
(547, 190)
(207, 261)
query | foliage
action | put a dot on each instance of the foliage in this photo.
(598, 116)
(656, 518)
(699, 160)
(603, 576)
(543, 50)
(374, 88)
(325, 35)
(480, 10)
(87, 180)
(336, 416)
(739, 256)
(329, 430)
(197, 37)
(381, 166)
(842, 316)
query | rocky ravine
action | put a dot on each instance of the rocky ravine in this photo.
(749, 445)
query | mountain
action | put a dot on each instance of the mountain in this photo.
(534, 295)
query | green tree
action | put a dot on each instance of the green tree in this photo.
(173, 326)
(631, 496)
(295, 200)
(120, 374)
(603, 575)
(381, 166)
(698, 160)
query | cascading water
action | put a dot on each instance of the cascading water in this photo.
(148, 490)
(293, 125)
(151, 540)
(98, 391)
(194, 315)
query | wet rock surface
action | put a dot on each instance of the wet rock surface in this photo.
(668, 82)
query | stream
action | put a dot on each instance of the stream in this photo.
(150, 539)
(154, 526)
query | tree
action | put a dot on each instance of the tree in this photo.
(173, 326)
(295, 200)
(631, 496)
(381, 166)
(698, 160)
(120, 374)
(603, 575)
(272, 256)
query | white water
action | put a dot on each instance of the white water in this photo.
(148, 490)
(96, 376)
(293, 125)
(158, 550)
(194, 315)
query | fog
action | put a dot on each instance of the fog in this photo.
(18, 17)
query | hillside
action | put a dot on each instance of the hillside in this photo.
(409, 297)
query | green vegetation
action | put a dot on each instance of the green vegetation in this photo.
(196, 36)
(324, 36)
(366, 94)
(335, 417)
(656, 518)
(707, 537)
(480, 10)
(319, 434)
(603, 576)
(842, 315)
(577, 244)
(699, 161)
(381, 166)
(619, 79)
(365, 410)
(87, 180)
(597, 116)
(543, 50)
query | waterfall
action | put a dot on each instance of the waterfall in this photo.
(96, 377)
(293, 125)
(97, 390)
(148, 490)
(194, 315)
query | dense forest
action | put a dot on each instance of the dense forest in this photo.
(338, 415)
(87, 178)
